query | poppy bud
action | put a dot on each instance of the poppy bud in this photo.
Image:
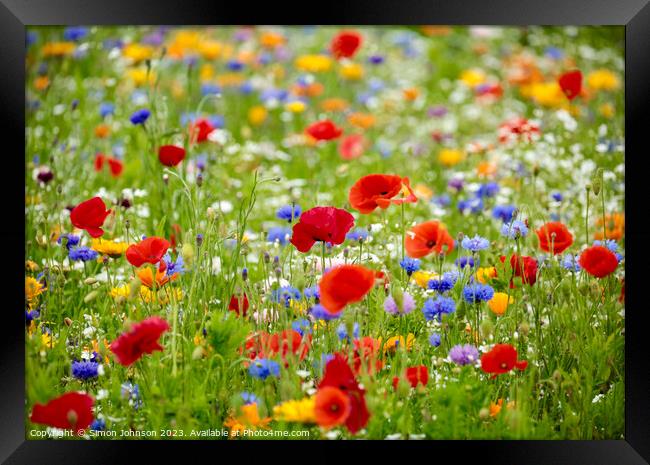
(90, 296)
(557, 376)
(346, 252)
(524, 328)
(197, 354)
(484, 413)
(67, 321)
(460, 236)
(597, 181)
(187, 252)
(210, 213)
(90, 281)
(59, 189)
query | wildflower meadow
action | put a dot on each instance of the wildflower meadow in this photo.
(324, 233)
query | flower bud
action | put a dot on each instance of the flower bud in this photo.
(90, 281)
(90, 296)
(484, 413)
(166, 179)
(67, 321)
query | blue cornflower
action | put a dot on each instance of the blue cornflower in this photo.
(570, 262)
(85, 370)
(249, 398)
(557, 196)
(358, 234)
(376, 59)
(30, 316)
(288, 212)
(234, 65)
(106, 109)
(463, 354)
(82, 253)
(436, 308)
(466, 260)
(131, 392)
(98, 424)
(445, 283)
(442, 200)
(474, 205)
(279, 95)
(503, 212)
(609, 244)
(72, 240)
(553, 52)
(75, 33)
(475, 243)
(320, 313)
(278, 233)
(174, 267)
(312, 292)
(140, 116)
(210, 89)
(435, 339)
(302, 326)
(514, 230)
(342, 332)
(456, 184)
(475, 293)
(489, 189)
(246, 88)
(410, 265)
(285, 294)
(263, 368)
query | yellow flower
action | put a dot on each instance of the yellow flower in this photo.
(395, 342)
(248, 419)
(206, 72)
(499, 303)
(313, 63)
(139, 76)
(603, 79)
(351, 71)
(450, 157)
(147, 295)
(296, 106)
(210, 49)
(33, 289)
(301, 411)
(137, 52)
(31, 265)
(548, 94)
(111, 248)
(472, 77)
(230, 79)
(299, 306)
(423, 192)
(58, 49)
(485, 274)
(607, 110)
(422, 278)
(271, 39)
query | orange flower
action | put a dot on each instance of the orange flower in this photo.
(428, 237)
(332, 407)
(614, 227)
(411, 94)
(146, 276)
(343, 285)
(334, 104)
(102, 130)
(361, 120)
(378, 190)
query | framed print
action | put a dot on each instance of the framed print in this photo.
(389, 227)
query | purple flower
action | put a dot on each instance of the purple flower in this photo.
(463, 354)
(391, 306)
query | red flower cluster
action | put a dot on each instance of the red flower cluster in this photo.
(428, 237)
(141, 339)
(343, 285)
(378, 190)
(115, 165)
(352, 146)
(517, 129)
(149, 250)
(345, 44)
(171, 155)
(524, 268)
(501, 359)
(72, 410)
(200, 130)
(366, 352)
(324, 130)
(331, 404)
(90, 215)
(554, 237)
(239, 304)
(414, 375)
(571, 83)
(598, 261)
(265, 345)
(326, 224)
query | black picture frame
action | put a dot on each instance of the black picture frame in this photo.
(15, 15)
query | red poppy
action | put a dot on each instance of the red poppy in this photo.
(523, 267)
(378, 190)
(554, 235)
(90, 215)
(100, 158)
(332, 407)
(426, 238)
(366, 351)
(238, 304)
(141, 339)
(288, 341)
(414, 375)
(171, 155)
(324, 130)
(345, 44)
(352, 146)
(598, 261)
(339, 375)
(327, 224)
(72, 410)
(343, 285)
(501, 359)
(116, 167)
(150, 250)
(200, 130)
(571, 83)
